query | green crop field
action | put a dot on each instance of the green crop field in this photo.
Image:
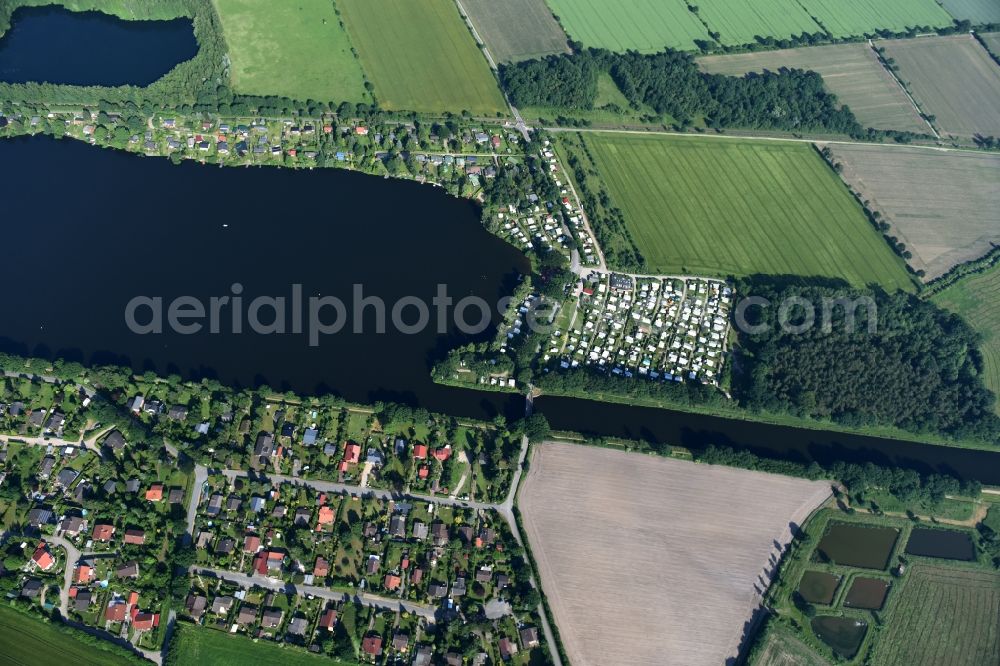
(992, 40)
(739, 22)
(728, 207)
(420, 56)
(641, 25)
(942, 616)
(843, 18)
(977, 300)
(293, 49)
(197, 645)
(27, 640)
(976, 11)
(516, 29)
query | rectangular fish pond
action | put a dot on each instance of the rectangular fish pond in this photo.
(867, 593)
(842, 634)
(857, 545)
(818, 587)
(945, 544)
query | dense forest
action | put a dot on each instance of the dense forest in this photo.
(671, 83)
(918, 370)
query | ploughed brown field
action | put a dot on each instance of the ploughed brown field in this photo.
(945, 206)
(648, 560)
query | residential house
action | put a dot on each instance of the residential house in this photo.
(116, 611)
(298, 626)
(400, 642)
(83, 600)
(103, 532)
(397, 526)
(196, 605)
(322, 568)
(135, 537)
(419, 531)
(128, 570)
(372, 646)
(73, 525)
(439, 532)
(214, 505)
(423, 655)
(31, 588)
(251, 544)
(264, 447)
(42, 558)
(529, 637)
(225, 546)
(247, 615)
(66, 476)
(45, 468)
(176, 496)
(39, 516)
(328, 620)
(222, 605)
(508, 648)
(437, 590)
(392, 582)
(303, 516)
(372, 566)
(155, 493)
(271, 618)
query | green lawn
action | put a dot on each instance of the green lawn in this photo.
(293, 49)
(977, 300)
(641, 25)
(420, 56)
(27, 640)
(738, 207)
(197, 645)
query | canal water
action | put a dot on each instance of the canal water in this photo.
(87, 230)
(54, 45)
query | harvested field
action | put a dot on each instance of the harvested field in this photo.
(727, 207)
(782, 648)
(944, 206)
(432, 63)
(850, 71)
(952, 78)
(976, 11)
(844, 18)
(740, 22)
(640, 25)
(977, 299)
(942, 616)
(516, 29)
(663, 557)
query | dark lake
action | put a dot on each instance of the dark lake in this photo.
(54, 45)
(86, 230)
(946, 544)
(857, 545)
(842, 634)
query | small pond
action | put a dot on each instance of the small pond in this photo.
(818, 587)
(856, 545)
(55, 45)
(842, 634)
(946, 544)
(867, 593)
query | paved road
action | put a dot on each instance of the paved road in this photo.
(72, 557)
(243, 580)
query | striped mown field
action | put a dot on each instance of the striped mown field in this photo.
(976, 11)
(852, 72)
(977, 300)
(640, 25)
(420, 56)
(844, 18)
(738, 207)
(942, 616)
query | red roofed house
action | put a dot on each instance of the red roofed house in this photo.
(115, 611)
(135, 537)
(495, 140)
(361, 131)
(392, 581)
(155, 492)
(251, 544)
(352, 452)
(343, 466)
(260, 563)
(43, 558)
(372, 645)
(419, 451)
(326, 515)
(103, 532)
(328, 620)
(145, 621)
(443, 453)
(84, 574)
(133, 599)
(322, 568)
(423, 472)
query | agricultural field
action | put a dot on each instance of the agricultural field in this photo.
(27, 640)
(945, 207)
(845, 18)
(992, 40)
(976, 11)
(697, 573)
(852, 72)
(943, 616)
(516, 29)
(977, 300)
(782, 648)
(741, 22)
(433, 64)
(197, 645)
(298, 50)
(640, 25)
(952, 78)
(725, 207)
